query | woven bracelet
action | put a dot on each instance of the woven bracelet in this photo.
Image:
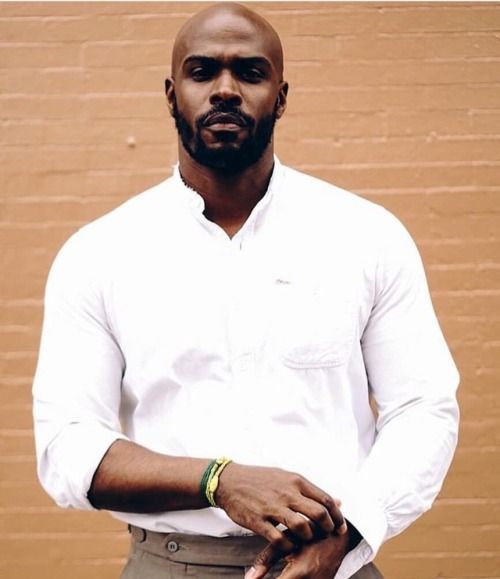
(210, 480)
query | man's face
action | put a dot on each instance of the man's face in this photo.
(228, 93)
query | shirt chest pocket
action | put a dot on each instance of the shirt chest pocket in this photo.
(314, 325)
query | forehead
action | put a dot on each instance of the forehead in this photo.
(225, 36)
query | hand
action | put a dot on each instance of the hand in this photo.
(260, 498)
(319, 560)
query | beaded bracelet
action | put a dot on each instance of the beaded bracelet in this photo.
(210, 479)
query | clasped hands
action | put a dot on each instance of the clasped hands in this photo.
(313, 540)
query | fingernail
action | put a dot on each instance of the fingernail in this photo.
(343, 529)
(251, 573)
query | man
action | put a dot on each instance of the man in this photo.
(242, 309)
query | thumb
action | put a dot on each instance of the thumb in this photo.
(263, 562)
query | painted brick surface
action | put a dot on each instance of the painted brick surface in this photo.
(398, 102)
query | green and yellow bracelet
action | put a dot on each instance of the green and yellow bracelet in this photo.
(210, 479)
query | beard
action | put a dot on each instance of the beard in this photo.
(230, 157)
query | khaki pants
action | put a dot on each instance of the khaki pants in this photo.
(175, 555)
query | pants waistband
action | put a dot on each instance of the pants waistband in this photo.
(237, 551)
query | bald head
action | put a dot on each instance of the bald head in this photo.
(227, 22)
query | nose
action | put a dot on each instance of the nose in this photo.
(225, 89)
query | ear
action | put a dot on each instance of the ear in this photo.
(281, 100)
(170, 94)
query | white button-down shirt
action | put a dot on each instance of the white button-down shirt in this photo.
(266, 348)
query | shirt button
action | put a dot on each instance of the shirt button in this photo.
(172, 546)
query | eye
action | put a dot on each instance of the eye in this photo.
(252, 74)
(200, 73)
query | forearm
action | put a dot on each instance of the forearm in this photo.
(131, 478)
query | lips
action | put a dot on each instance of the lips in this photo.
(225, 119)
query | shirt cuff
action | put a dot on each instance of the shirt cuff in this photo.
(78, 451)
(365, 513)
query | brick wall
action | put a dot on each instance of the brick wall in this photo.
(397, 102)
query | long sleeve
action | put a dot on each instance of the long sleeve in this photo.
(77, 384)
(413, 381)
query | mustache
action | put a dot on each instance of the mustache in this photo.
(226, 113)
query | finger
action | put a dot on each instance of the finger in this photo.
(279, 540)
(317, 515)
(332, 506)
(299, 526)
(264, 562)
(292, 571)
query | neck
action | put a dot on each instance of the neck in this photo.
(229, 198)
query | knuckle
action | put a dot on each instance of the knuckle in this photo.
(328, 502)
(301, 526)
(323, 518)
(322, 514)
(275, 537)
(296, 479)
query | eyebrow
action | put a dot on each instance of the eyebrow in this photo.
(212, 61)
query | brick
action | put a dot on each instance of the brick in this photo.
(454, 226)
(24, 29)
(16, 416)
(95, 568)
(400, 72)
(125, 53)
(145, 157)
(62, 159)
(79, 27)
(19, 338)
(337, 18)
(432, 122)
(458, 251)
(45, 235)
(395, 151)
(28, 495)
(477, 433)
(397, 98)
(466, 303)
(479, 407)
(332, 124)
(439, 18)
(465, 277)
(154, 26)
(34, 55)
(452, 539)
(485, 122)
(40, 209)
(55, 547)
(144, 132)
(40, 107)
(401, 45)
(471, 328)
(461, 512)
(103, 8)
(53, 520)
(125, 106)
(16, 133)
(49, 81)
(469, 565)
(16, 443)
(144, 79)
(436, 202)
